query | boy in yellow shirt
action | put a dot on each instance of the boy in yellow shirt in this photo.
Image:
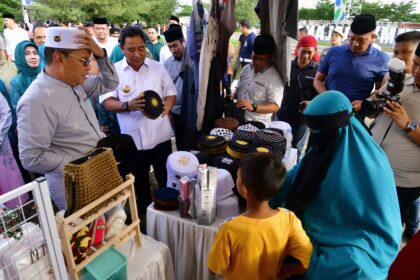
(254, 244)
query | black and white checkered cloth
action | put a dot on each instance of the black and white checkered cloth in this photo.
(273, 139)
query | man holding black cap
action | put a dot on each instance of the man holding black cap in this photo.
(56, 122)
(101, 30)
(356, 68)
(397, 131)
(260, 87)
(152, 136)
(13, 35)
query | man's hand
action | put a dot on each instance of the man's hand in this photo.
(303, 105)
(397, 113)
(104, 128)
(245, 104)
(137, 104)
(166, 110)
(89, 44)
(357, 105)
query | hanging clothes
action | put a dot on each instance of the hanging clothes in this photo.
(208, 52)
(226, 28)
(280, 20)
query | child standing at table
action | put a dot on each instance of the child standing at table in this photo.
(254, 244)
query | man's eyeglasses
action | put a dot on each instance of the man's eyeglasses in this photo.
(86, 61)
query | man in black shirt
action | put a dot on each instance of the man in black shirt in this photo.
(300, 90)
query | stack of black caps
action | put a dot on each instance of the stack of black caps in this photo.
(212, 144)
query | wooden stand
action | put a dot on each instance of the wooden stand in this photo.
(106, 203)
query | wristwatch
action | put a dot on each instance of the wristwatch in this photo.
(125, 107)
(411, 125)
(254, 107)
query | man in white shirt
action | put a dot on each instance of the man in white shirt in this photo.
(13, 35)
(101, 31)
(152, 137)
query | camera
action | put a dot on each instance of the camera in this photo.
(394, 86)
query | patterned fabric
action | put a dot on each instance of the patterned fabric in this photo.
(248, 127)
(273, 139)
(227, 122)
(228, 134)
(10, 178)
(244, 135)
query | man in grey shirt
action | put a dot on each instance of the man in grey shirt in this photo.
(56, 122)
(397, 131)
(260, 87)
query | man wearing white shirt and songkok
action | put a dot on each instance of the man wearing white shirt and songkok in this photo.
(151, 136)
(13, 35)
(55, 120)
(101, 31)
(260, 87)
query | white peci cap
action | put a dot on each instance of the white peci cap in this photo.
(62, 37)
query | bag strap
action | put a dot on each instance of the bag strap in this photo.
(70, 209)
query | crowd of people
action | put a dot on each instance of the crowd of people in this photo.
(338, 214)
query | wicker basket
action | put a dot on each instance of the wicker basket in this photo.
(88, 178)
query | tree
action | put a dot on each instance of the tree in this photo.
(307, 14)
(13, 7)
(324, 10)
(158, 11)
(245, 10)
(118, 11)
(184, 11)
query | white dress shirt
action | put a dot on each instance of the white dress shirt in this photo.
(109, 45)
(14, 37)
(152, 75)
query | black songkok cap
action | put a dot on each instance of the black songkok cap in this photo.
(174, 18)
(7, 15)
(100, 20)
(363, 24)
(264, 44)
(173, 33)
(418, 50)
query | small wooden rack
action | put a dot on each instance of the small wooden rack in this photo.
(101, 205)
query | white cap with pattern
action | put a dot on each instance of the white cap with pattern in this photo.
(62, 37)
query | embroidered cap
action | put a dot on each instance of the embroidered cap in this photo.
(62, 38)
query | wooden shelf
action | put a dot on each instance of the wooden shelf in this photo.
(101, 205)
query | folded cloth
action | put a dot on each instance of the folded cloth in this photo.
(226, 133)
(227, 122)
(212, 144)
(165, 199)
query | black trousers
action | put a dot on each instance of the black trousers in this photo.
(143, 160)
(186, 139)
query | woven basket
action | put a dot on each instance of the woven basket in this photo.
(90, 177)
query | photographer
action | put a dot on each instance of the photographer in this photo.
(396, 131)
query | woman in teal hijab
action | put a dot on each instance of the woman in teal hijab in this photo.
(343, 191)
(28, 63)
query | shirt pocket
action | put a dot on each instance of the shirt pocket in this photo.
(259, 92)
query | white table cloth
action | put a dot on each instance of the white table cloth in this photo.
(151, 261)
(188, 242)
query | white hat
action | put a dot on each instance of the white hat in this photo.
(62, 37)
(225, 184)
(180, 164)
(228, 207)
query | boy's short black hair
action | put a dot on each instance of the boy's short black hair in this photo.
(262, 174)
(131, 30)
(245, 23)
(413, 36)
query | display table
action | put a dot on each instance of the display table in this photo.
(188, 242)
(151, 261)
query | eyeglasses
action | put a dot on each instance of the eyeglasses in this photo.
(86, 61)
